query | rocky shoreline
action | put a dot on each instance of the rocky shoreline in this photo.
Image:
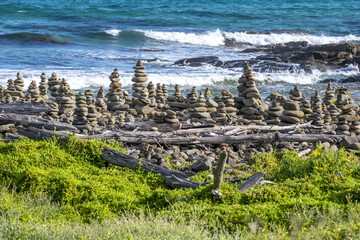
(292, 57)
(150, 121)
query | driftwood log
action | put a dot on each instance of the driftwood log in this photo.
(174, 179)
(257, 179)
(21, 108)
(28, 120)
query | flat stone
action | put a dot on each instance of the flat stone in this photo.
(291, 106)
(289, 119)
(298, 114)
(201, 165)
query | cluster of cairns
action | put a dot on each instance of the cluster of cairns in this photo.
(335, 114)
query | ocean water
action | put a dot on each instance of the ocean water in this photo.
(83, 41)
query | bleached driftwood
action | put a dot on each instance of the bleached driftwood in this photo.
(21, 108)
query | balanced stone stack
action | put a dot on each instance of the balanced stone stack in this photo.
(93, 114)
(177, 102)
(34, 93)
(143, 102)
(291, 114)
(347, 116)
(81, 112)
(165, 91)
(242, 85)
(334, 113)
(306, 108)
(11, 90)
(54, 85)
(355, 127)
(194, 92)
(171, 117)
(253, 107)
(317, 116)
(100, 101)
(43, 87)
(115, 96)
(208, 93)
(26, 99)
(19, 84)
(327, 116)
(212, 105)
(221, 115)
(296, 94)
(66, 97)
(197, 107)
(152, 94)
(7, 98)
(274, 113)
(341, 97)
(160, 98)
(2, 89)
(53, 112)
(228, 99)
(329, 95)
(139, 79)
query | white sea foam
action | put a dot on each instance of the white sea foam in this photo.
(209, 38)
(114, 32)
(217, 37)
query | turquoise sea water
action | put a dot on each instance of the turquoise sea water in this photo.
(84, 40)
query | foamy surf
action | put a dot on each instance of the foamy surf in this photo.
(218, 37)
(113, 32)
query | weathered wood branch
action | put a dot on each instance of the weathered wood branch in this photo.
(176, 182)
(28, 120)
(21, 108)
(251, 182)
(219, 171)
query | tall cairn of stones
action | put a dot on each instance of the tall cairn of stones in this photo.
(165, 90)
(341, 97)
(142, 103)
(197, 108)
(66, 97)
(253, 107)
(100, 104)
(228, 99)
(115, 96)
(152, 94)
(19, 85)
(81, 112)
(296, 94)
(34, 93)
(139, 80)
(317, 116)
(329, 95)
(11, 92)
(92, 115)
(160, 98)
(221, 115)
(54, 85)
(2, 89)
(43, 87)
(306, 108)
(327, 116)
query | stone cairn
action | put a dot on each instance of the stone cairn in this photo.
(26, 99)
(81, 112)
(177, 102)
(317, 116)
(253, 107)
(19, 85)
(43, 87)
(139, 79)
(306, 108)
(228, 99)
(197, 106)
(164, 90)
(7, 98)
(327, 116)
(152, 94)
(34, 93)
(66, 97)
(296, 94)
(54, 85)
(207, 93)
(160, 98)
(92, 115)
(341, 97)
(100, 103)
(115, 96)
(142, 103)
(221, 115)
(329, 95)
(291, 114)
(274, 113)
(2, 89)
(11, 91)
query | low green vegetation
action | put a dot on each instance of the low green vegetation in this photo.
(50, 190)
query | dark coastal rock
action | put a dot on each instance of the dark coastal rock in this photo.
(201, 165)
(328, 80)
(199, 61)
(354, 79)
